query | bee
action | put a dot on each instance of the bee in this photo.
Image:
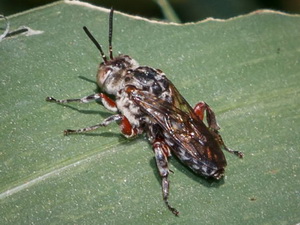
(146, 101)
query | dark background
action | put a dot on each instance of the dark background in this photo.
(186, 10)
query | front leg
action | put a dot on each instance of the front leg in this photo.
(107, 102)
(199, 110)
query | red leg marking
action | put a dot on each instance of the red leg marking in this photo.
(108, 102)
(127, 129)
(199, 109)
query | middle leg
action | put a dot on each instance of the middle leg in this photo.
(162, 152)
(126, 128)
(113, 118)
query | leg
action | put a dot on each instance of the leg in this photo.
(202, 107)
(127, 129)
(106, 101)
(107, 121)
(219, 139)
(162, 152)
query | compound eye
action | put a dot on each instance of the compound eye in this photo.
(103, 73)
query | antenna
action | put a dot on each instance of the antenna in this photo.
(110, 33)
(88, 33)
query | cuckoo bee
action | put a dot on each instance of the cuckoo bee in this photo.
(146, 101)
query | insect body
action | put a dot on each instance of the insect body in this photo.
(147, 102)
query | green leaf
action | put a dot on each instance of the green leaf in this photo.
(247, 68)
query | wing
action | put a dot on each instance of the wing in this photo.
(178, 100)
(185, 133)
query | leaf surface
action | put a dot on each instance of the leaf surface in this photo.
(246, 68)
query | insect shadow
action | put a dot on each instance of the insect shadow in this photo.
(89, 80)
(84, 111)
(174, 161)
(89, 112)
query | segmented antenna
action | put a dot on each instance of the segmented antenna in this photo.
(110, 33)
(88, 33)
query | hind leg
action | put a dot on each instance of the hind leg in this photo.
(200, 109)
